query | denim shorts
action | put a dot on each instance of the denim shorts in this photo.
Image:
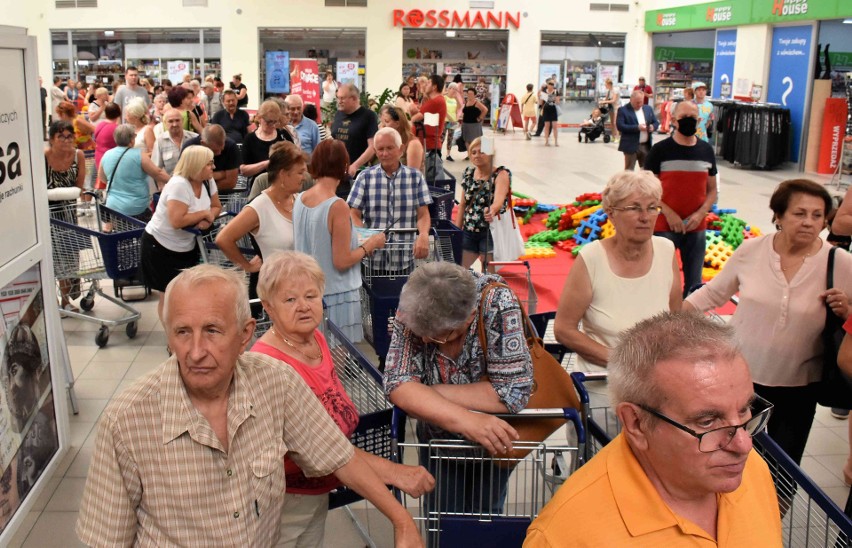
(476, 242)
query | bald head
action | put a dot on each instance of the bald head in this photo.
(685, 109)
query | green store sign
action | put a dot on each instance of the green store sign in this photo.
(733, 13)
(683, 54)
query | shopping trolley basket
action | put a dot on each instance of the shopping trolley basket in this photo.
(809, 518)
(520, 282)
(106, 246)
(210, 252)
(485, 500)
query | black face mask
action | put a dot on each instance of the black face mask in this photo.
(687, 126)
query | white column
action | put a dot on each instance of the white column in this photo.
(240, 53)
(383, 58)
(751, 62)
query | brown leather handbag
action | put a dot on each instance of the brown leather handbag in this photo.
(552, 386)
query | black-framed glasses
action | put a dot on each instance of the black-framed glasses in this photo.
(637, 209)
(719, 438)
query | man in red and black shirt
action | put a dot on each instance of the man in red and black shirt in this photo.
(431, 138)
(686, 167)
(644, 88)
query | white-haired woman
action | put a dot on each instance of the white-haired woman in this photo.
(290, 287)
(485, 193)
(619, 281)
(438, 371)
(136, 114)
(190, 199)
(125, 170)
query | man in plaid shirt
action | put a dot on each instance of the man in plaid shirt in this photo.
(391, 195)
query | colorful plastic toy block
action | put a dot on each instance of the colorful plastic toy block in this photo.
(732, 230)
(607, 230)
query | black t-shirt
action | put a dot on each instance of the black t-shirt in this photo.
(257, 150)
(354, 130)
(241, 103)
(43, 99)
(236, 127)
(228, 159)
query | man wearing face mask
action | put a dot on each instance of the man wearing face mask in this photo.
(686, 167)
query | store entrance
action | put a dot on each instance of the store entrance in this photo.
(580, 62)
(296, 60)
(477, 56)
(680, 59)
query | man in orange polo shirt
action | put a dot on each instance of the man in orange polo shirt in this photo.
(682, 472)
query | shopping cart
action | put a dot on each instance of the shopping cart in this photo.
(90, 250)
(518, 276)
(210, 252)
(484, 500)
(810, 519)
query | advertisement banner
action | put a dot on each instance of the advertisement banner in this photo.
(549, 70)
(723, 60)
(177, 69)
(277, 72)
(782, 11)
(17, 206)
(28, 433)
(305, 80)
(833, 131)
(731, 13)
(789, 76)
(347, 72)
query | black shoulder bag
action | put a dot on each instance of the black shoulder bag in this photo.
(834, 388)
(112, 175)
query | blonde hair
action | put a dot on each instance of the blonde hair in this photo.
(192, 161)
(268, 107)
(624, 183)
(208, 273)
(138, 109)
(287, 265)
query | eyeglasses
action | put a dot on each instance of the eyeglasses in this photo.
(719, 438)
(65, 137)
(449, 337)
(269, 121)
(636, 209)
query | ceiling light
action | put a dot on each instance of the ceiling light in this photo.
(847, 21)
(451, 34)
(109, 33)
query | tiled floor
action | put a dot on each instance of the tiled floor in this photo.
(550, 174)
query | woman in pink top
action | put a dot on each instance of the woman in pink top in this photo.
(104, 131)
(781, 280)
(291, 287)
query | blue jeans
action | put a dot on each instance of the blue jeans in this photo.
(691, 246)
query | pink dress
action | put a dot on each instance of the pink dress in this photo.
(323, 381)
(104, 140)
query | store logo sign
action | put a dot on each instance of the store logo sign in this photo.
(453, 19)
(719, 15)
(781, 8)
(666, 19)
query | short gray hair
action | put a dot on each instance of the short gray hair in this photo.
(213, 134)
(208, 273)
(350, 89)
(637, 93)
(667, 336)
(438, 297)
(624, 183)
(123, 135)
(287, 265)
(294, 100)
(397, 138)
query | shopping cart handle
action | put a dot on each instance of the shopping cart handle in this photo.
(510, 263)
(397, 422)
(567, 413)
(580, 379)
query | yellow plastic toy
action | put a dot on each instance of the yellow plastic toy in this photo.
(580, 215)
(717, 255)
(607, 230)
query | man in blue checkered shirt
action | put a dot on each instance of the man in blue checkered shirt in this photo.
(391, 195)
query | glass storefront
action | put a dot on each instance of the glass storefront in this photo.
(103, 55)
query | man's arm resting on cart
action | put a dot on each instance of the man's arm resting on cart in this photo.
(413, 480)
(424, 223)
(429, 404)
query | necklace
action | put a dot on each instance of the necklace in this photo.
(808, 254)
(291, 198)
(294, 347)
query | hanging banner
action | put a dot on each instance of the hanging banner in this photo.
(833, 131)
(177, 69)
(347, 72)
(789, 76)
(305, 80)
(547, 71)
(277, 72)
(723, 60)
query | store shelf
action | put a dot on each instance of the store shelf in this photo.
(675, 75)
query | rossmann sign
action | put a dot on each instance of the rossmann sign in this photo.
(443, 19)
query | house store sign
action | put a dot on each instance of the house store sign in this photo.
(443, 19)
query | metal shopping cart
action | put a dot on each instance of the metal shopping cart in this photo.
(810, 519)
(90, 250)
(484, 500)
(520, 282)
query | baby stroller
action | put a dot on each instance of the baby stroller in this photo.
(592, 132)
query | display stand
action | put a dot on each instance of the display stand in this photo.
(33, 409)
(753, 135)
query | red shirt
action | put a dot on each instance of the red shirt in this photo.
(435, 105)
(848, 325)
(646, 89)
(323, 381)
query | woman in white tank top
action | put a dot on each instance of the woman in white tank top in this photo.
(619, 281)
